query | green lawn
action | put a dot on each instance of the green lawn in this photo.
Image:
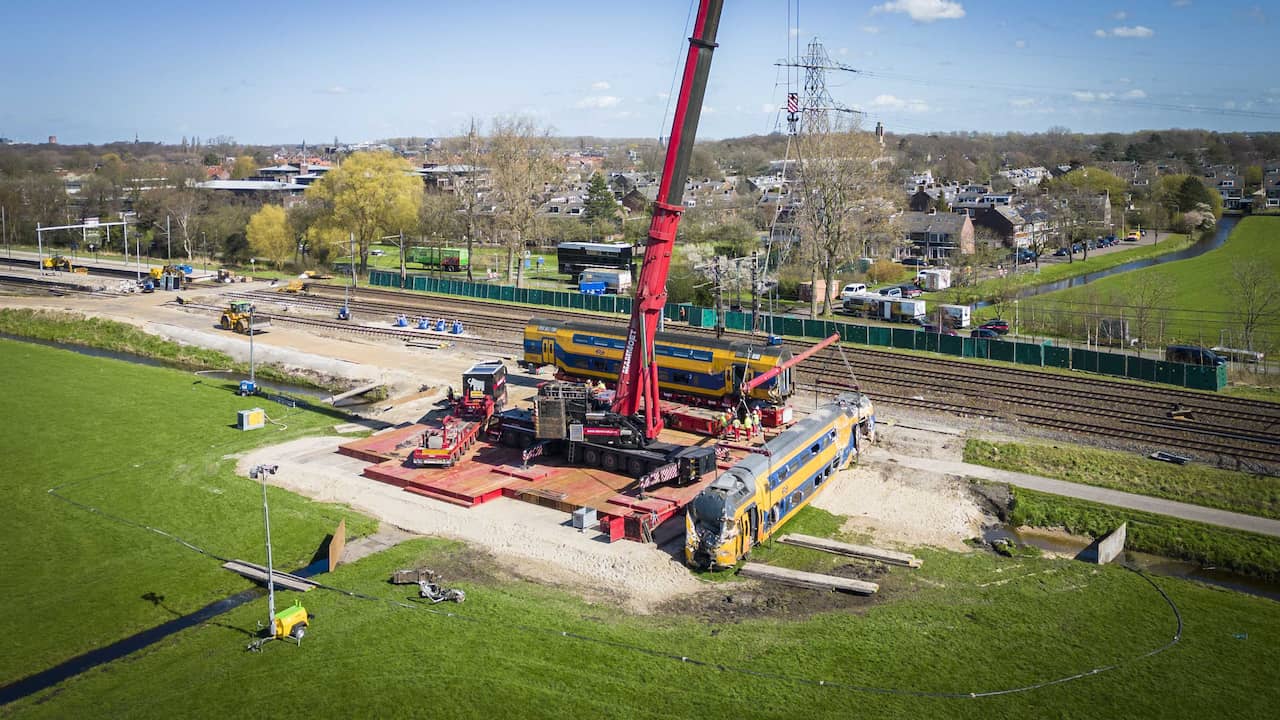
(1053, 272)
(146, 444)
(1197, 484)
(1199, 292)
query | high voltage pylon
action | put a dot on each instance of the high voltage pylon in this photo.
(809, 109)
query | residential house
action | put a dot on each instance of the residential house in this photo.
(1025, 177)
(937, 236)
(1007, 223)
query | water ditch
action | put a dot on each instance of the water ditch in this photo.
(1072, 546)
(81, 663)
(1200, 247)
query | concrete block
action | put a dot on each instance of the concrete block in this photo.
(1112, 544)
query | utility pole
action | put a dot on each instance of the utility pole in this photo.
(4, 230)
(755, 290)
(719, 299)
(168, 240)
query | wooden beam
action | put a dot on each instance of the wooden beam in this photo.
(813, 581)
(351, 393)
(258, 573)
(859, 551)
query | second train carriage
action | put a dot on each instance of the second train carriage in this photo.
(750, 501)
(691, 368)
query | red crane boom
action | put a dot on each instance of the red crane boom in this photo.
(638, 375)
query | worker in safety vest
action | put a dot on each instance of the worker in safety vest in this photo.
(737, 428)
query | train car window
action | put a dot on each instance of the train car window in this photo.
(797, 498)
(815, 449)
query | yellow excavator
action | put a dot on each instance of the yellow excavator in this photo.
(238, 317)
(57, 262)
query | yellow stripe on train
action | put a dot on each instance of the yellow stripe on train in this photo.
(751, 501)
(690, 367)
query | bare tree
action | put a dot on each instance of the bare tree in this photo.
(521, 156)
(1257, 298)
(1146, 295)
(844, 191)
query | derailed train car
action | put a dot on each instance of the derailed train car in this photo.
(692, 368)
(753, 499)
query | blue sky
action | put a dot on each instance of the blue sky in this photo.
(288, 70)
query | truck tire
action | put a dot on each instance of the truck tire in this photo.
(610, 461)
(508, 438)
(524, 441)
(635, 467)
(591, 457)
(225, 322)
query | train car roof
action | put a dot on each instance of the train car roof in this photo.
(593, 245)
(798, 435)
(760, 347)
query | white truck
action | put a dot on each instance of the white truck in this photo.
(615, 281)
(959, 315)
(935, 279)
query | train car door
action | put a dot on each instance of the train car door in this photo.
(549, 351)
(753, 526)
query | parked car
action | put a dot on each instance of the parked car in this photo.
(910, 291)
(1060, 252)
(1193, 355)
(932, 328)
(997, 325)
(917, 262)
(851, 290)
(891, 291)
(1132, 237)
(981, 332)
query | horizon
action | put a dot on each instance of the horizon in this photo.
(265, 76)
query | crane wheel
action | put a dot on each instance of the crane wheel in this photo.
(610, 462)
(635, 467)
(591, 457)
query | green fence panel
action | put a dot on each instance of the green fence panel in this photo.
(591, 302)
(1140, 368)
(1112, 364)
(624, 305)
(420, 283)
(1082, 359)
(928, 340)
(903, 338)
(1001, 350)
(1170, 373)
(508, 293)
(1058, 357)
(535, 297)
(951, 345)
(976, 347)
(881, 336)
(1027, 354)
(735, 320)
(810, 328)
(577, 302)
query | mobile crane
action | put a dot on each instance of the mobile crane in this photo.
(625, 436)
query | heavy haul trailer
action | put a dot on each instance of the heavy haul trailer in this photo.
(484, 393)
(433, 258)
(694, 369)
(568, 420)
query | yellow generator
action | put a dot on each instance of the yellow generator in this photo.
(294, 286)
(291, 622)
(237, 317)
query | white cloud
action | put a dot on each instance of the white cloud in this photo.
(923, 10)
(768, 108)
(871, 29)
(842, 51)
(1019, 44)
(1100, 33)
(600, 85)
(1135, 94)
(1022, 102)
(1120, 15)
(897, 103)
(1123, 81)
(598, 101)
(336, 90)
(1089, 96)
(1137, 31)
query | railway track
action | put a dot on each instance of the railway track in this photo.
(1225, 431)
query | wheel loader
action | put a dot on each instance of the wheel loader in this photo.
(237, 317)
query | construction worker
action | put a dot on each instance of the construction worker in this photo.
(737, 429)
(746, 426)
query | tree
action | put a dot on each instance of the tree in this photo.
(270, 236)
(244, 167)
(1252, 179)
(1146, 294)
(600, 203)
(844, 191)
(1257, 299)
(521, 161)
(1192, 192)
(371, 194)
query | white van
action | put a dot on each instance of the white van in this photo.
(851, 290)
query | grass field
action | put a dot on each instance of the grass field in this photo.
(1053, 272)
(1209, 545)
(1197, 484)
(1199, 292)
(145, 444)
(148, 444)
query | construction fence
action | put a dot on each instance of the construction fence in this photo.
(1022, 353)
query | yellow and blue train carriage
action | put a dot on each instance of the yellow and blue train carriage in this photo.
(751, 501)
(691, 368)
